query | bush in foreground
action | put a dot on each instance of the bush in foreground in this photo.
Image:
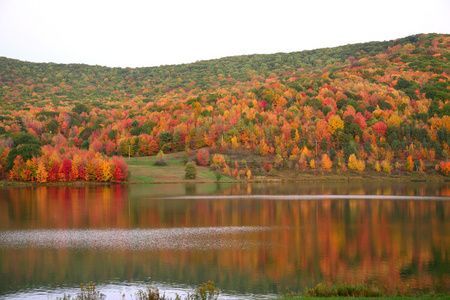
(343, 290)
(207, 291)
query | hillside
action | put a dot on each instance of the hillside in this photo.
(373, 106)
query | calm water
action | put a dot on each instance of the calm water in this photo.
(252, 240)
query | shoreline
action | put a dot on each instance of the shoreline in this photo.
(281, 178)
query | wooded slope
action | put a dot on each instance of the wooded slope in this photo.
(383, 102)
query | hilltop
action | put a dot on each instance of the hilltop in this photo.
(378, 106)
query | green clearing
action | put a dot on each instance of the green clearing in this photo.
(143, 170)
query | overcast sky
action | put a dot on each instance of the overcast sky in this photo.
(135, 33)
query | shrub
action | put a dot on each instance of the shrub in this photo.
(160, 162)
(218, 174)
(343, 290)
(88, 292)
(151, 294)
(191, 170)
(206, 292)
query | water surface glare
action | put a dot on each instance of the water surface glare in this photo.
(134, 239)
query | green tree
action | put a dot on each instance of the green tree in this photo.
(165, 139)
(27, 151)
(80, 108)
(22, 138)
(191, 170)
(52, 126)
(86, 133)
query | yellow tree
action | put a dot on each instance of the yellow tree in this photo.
(326, 162)
(105, 166)
(312, 164)
(41, 172)
(335, 122)
(356, 164)
(31, 167)
(377, 166)
(234, 142)
(218, 160)
(296, 136)
(387, 167)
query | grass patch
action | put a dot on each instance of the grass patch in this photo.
(361, 291)
(142, 178)
(144, 170)
(208, 175)
(365, 298)
(343, 290)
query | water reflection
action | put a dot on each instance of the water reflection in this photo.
(176, 234)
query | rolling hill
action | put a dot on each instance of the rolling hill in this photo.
(378, 106)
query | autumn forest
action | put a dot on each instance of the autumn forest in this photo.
(380, 107)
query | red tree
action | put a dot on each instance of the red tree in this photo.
(53, 172)
(203, 157)
(380, 128)
(120, 170)
(66, 169)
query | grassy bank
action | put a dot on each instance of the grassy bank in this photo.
(362, 298)
(144, 170)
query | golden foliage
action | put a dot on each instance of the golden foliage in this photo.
(326, 162)
(386, 165)
(394, 120)
(335, 122)
(377, 166)
(356, 164)
(106, 170)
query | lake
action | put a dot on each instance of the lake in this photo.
(253, 240)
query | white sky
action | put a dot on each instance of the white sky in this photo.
(138, 33)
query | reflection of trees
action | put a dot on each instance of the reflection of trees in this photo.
(342, 188)
(390, 243)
